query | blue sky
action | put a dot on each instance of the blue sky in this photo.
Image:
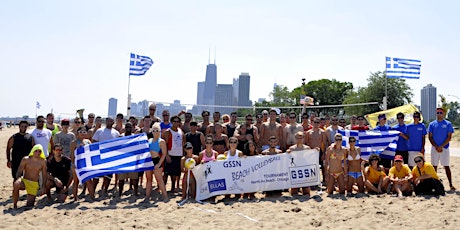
(71, 55)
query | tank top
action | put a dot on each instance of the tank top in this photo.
(176, 143)
(241, 143)
(155, 146)
(21, 147)
(206, 159)
(195, 140)
(230, 130)
(230, 157)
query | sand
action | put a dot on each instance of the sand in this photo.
(287, 212)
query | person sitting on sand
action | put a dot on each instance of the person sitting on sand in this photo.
(400, 176)
(376, 179)
(336, 166)
(59, 174)
(30, 167)
(355, 167)
(422, 174)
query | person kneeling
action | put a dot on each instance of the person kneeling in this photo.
(59, 174)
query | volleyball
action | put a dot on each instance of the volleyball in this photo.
(190, 163)
(221, 157)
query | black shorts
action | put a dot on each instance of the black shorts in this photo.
(155, 161)
(321, 158)
(404, 154)
(173, 168)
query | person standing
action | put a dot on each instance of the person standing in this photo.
(440, 133)
(175, 140)
(104, 134)
(401, 148)
(196, 138)
(42, 136)
(64, 138)
(416, 132)
(19, 145)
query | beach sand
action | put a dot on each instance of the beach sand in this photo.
(286, 212)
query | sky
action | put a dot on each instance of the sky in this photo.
(72, 55)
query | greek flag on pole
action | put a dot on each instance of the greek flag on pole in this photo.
(120, 155)
(382, 143)
(138, 65)
(37, 105)
(403, 68)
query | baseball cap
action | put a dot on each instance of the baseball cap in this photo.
(65, 121)
(398, 158)
(188, 145)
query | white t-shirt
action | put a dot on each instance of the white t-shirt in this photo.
(43, 137)
(104, 134)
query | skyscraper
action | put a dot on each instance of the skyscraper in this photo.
(244, 84)
(224, 97)
(210, 86)
(200, 96)
(428, 102)
(236, 86)
(113, 102)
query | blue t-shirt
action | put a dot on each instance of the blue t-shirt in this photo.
(164, 126)
(402, 143)
(382, 128)
(440, 130)
(415, 133)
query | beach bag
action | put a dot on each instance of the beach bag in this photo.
(430, 186)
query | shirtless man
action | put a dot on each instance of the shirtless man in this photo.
(273, 149)
(31, 166)
(316, 138)
(283, 120)
(216, 119)
(53, 127)
(202, 126)
(336, 165)
(76, 124)
(153, 118)
(186, 125)
(265, 116)
(97, 126)
(332, 130)
(306, 122)
(299, 146)
(271, 128)
(119, 124)
(134, 122)
(259, 121)
(291, 130)
(90, 123)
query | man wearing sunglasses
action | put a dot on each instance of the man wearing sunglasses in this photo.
(416, 132)
(42, 135)
(440, 133)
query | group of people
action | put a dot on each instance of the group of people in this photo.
(43, 158)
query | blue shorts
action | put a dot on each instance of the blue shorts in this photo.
(355, 175)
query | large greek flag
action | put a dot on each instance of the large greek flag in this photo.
(138, 65)
(403, 68)
(120, 155)
(382, 143)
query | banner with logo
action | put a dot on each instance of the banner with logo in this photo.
(408, 110)
(257, 173)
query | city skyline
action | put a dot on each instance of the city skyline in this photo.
(64, 46)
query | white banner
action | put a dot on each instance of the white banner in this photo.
(257, 173)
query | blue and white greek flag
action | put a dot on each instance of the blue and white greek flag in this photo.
(138, 65)
(403, 68)
(120, 155)
(37, 105)
(382, 143)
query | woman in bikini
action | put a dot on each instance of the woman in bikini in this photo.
(220, 140)
(376, 179)
(335, 165)
(208, 154)
(355, 167)
(156, 144)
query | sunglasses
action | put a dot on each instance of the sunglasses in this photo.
(165, 115)
(351, 141)
(152, 109)
(374, 160)
(304, 117)
(40, 121)
(338, 139)
(208, 143)
(259, 117)
(155, 131)
(399, 161)
(439, 112)
(400, 117)
(417, 161)
(77, 122)
(316, 122)
(90, 117)
(416, 116)
(176, 121)
(292, 117)
(265, 114)
(59, 150)
(232, 142)
(82, 132)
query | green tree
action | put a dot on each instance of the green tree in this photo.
(453, 114)
(281, 96)
(325, 92)
(399, 93)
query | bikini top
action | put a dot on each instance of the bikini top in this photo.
(357, 157)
